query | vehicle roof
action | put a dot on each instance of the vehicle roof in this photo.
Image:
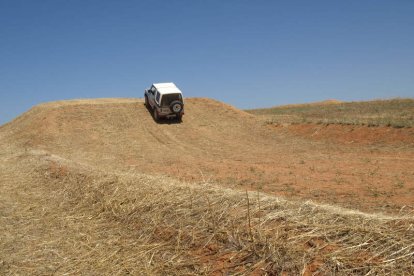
(166, 88)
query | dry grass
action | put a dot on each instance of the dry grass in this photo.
(87, 209)
(58, 217)
(396, 113)
(222, 142)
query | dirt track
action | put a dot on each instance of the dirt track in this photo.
(73, 199)
(218, 143)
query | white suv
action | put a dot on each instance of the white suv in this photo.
(165, 100)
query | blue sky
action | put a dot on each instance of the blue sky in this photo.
(245, 53)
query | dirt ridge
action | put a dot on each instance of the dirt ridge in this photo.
(219, 143)
(98, 185)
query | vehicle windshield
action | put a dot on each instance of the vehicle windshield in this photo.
(168, 98)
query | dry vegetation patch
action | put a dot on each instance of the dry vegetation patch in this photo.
(371, 170)
(92, 187)
(396, 113)
(68, 218)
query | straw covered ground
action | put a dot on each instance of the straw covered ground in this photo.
(61, 217)
(97, 187)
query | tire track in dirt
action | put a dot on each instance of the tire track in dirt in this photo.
(229, 146)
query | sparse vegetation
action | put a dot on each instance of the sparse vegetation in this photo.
(82, 193)
(128, 223)
(395, 113)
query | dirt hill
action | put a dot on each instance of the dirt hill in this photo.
(120, 134)
(218, 143)
(98, 185)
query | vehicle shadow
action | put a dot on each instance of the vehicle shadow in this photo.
(163, 121)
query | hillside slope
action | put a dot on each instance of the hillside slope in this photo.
(98, 187)
(121, 133)
(395, 113)
(61, 217)
(217, 143)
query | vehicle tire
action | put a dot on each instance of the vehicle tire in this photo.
(146, 102)
(176, 107)
(179, 117)
(155, 113)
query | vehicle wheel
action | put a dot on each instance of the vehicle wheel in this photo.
(176, 107)
(179, 117)
(146, 102)
(155, 113)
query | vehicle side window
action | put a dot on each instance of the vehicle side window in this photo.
(152, 90)
(157, 97)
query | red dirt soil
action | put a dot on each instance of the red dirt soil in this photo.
(364, 168)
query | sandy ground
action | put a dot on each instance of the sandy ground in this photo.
(370, 169)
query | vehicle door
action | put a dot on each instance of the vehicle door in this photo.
(151, 95)
(157, 98)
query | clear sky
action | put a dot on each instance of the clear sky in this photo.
(245, 53)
